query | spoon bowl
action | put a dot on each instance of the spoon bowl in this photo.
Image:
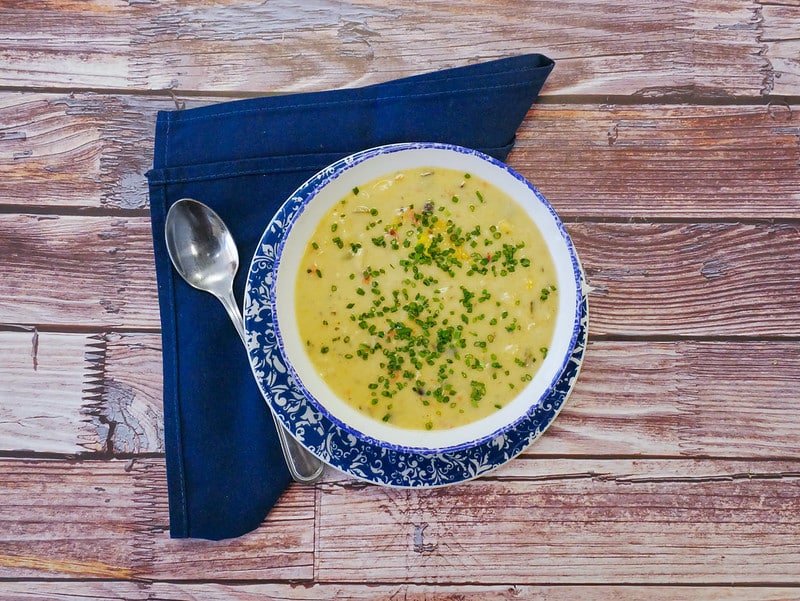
(201, 247)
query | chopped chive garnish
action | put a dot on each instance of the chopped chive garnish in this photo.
(439, 314)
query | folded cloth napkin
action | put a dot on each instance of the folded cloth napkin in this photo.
(225, 470)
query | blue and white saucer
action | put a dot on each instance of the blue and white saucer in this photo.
(348, 453)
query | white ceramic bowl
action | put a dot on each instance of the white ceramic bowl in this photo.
(320, 193)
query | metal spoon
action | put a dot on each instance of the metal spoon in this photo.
(204, 254)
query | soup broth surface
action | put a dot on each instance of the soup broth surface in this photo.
(426, 298)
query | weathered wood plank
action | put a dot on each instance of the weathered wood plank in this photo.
(68, 591)
(76, 150)
(779, 22)
(652, 162)
(556, 521)
(78, 270)
(651, 279)
(712, 279)
(680, 398)
(125, 399)
(41, 390)
(75, 393)
(108, 520)
(89, 150)
(711, 48)
(720, 399)
(71, 520)
(594, 522)
(506, 592)
(142, 591)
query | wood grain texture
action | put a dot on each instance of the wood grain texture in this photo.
(124, 399)
(84, 591)
(108, 520)
(609, 161)
(469, 592)
(42, 391)
(81, 270)
(682, 398)
(76, 150)
(50, 516)
(164, 591)
(75, 394)
(583, 520)
(686, 398)
(712, 48)
(656, 162)
(706, 279)
(595, 522)
(779, 22)
(656, 279)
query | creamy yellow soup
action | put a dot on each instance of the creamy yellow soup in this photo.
(427, 298)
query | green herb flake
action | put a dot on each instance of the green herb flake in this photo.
(478, 391)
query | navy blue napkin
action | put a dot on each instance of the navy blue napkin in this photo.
(244, 158)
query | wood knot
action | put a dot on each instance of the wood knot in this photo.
(612, 134)
(420, 546)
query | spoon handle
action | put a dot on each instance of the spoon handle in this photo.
(303, 466)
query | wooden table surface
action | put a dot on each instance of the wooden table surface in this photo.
(668, 138)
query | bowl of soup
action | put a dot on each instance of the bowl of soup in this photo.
(425, 297)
